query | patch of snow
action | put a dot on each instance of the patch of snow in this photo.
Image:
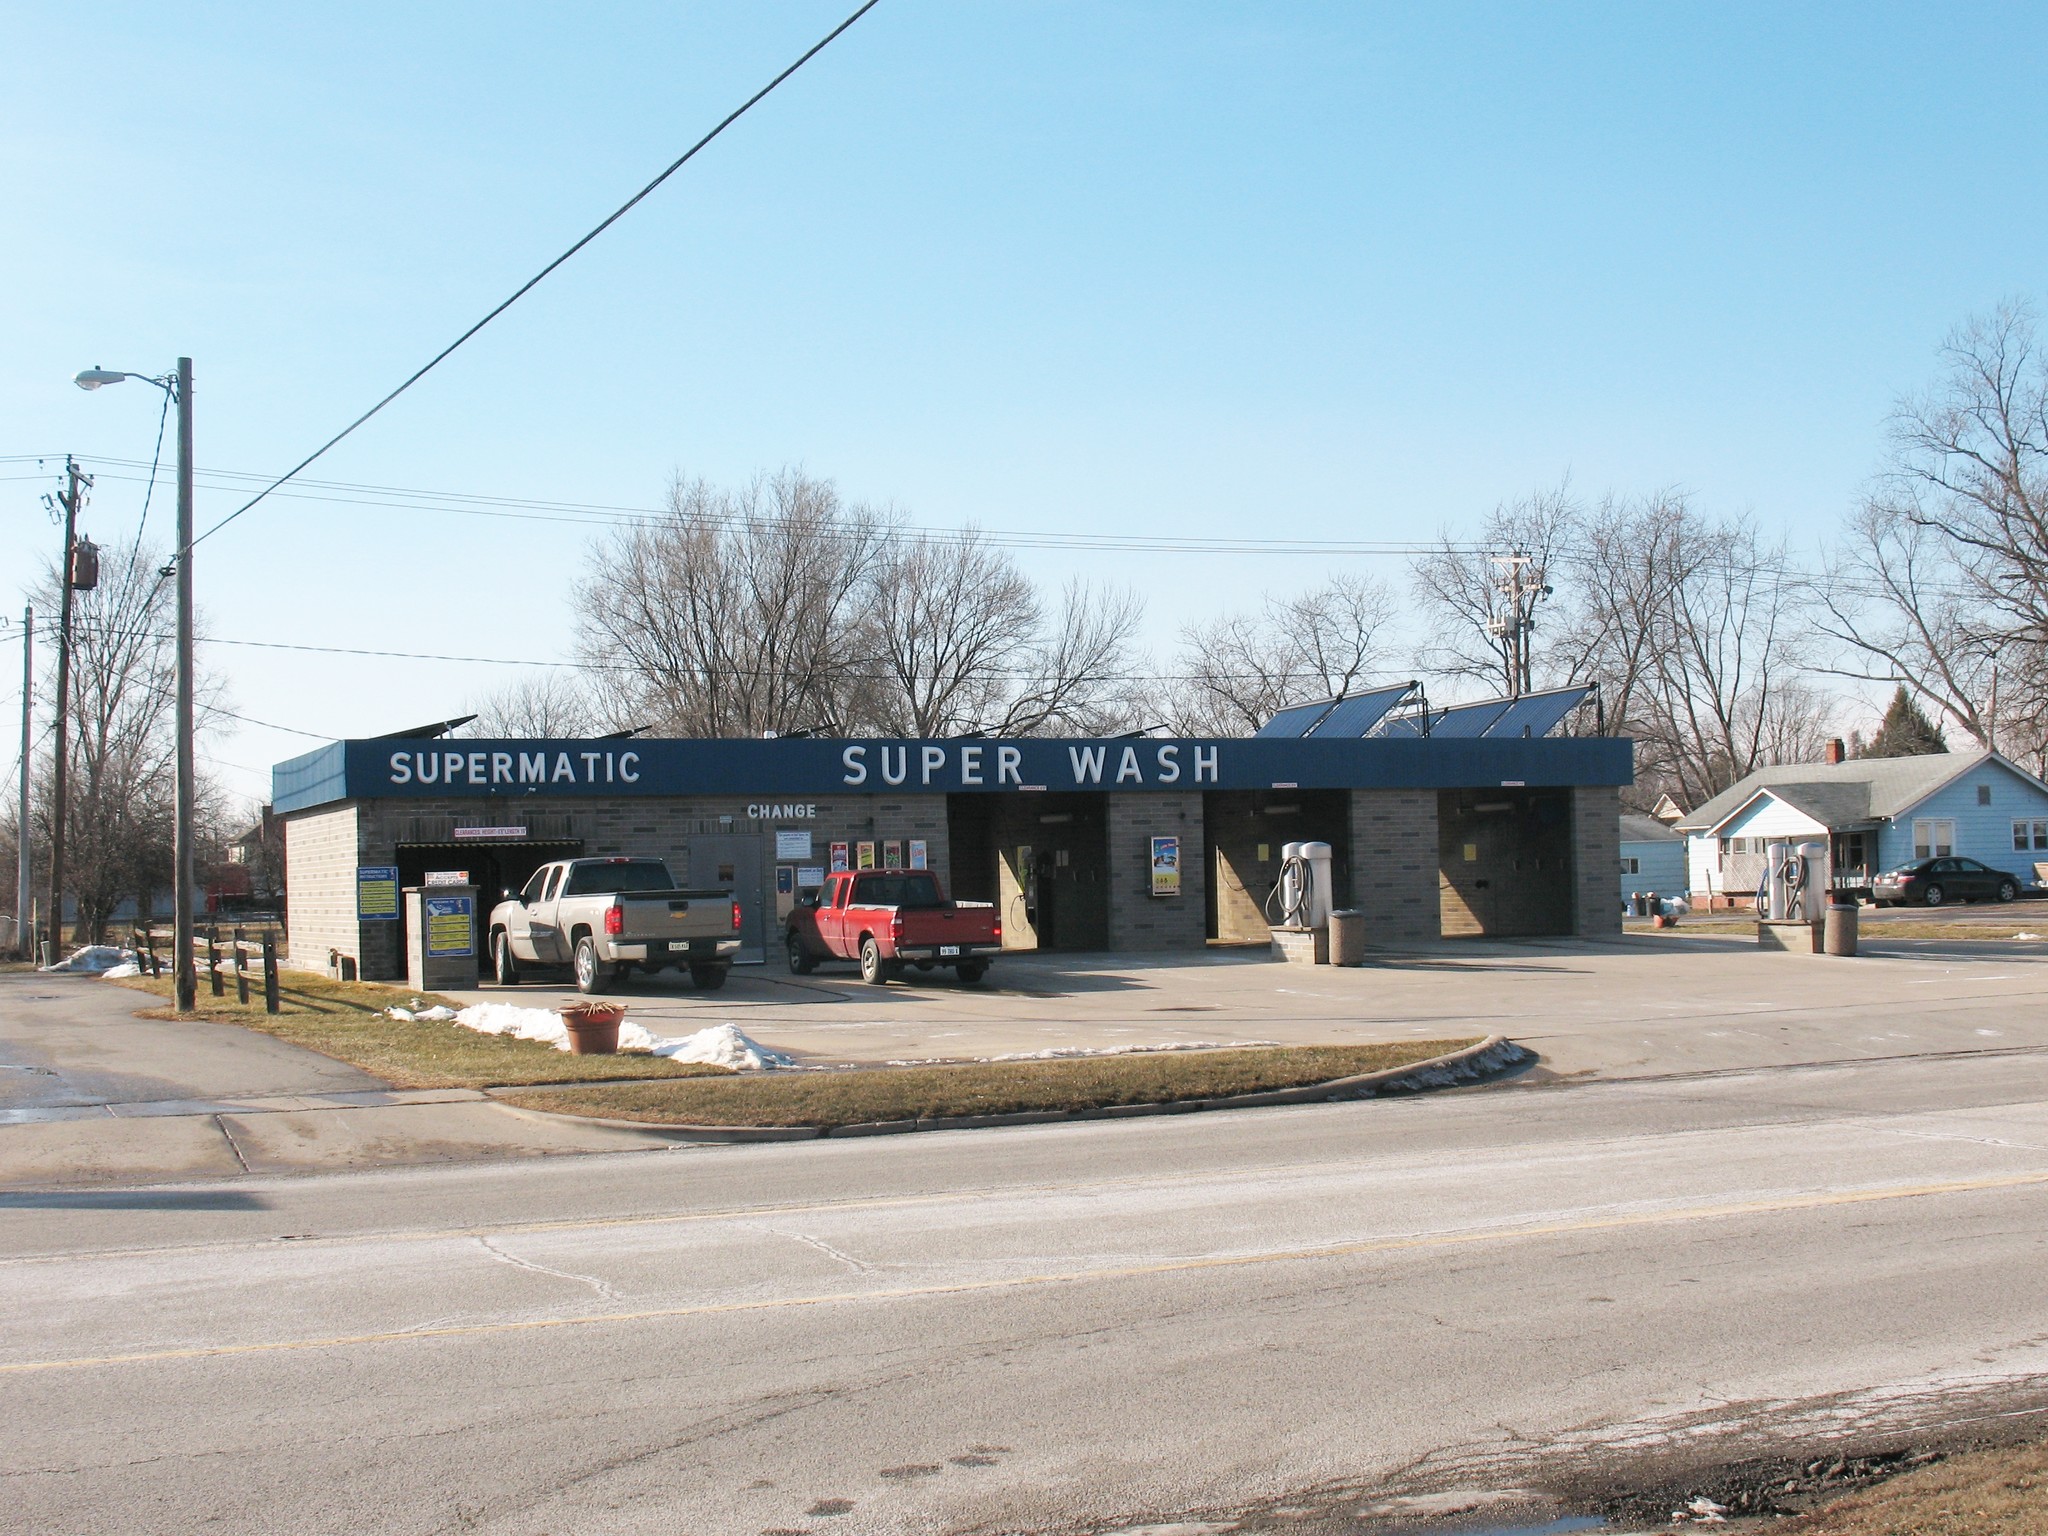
(721, 1045)
(125, 969)
(2026, 936)
(1063, 1052)
(94, 959)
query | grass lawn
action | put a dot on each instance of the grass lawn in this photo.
(827, 1099)
(1981, 1493)
(344, 1019)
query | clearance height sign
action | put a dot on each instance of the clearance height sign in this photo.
(766, 771)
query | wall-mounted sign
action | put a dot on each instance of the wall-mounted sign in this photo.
(1165, 866)
(489, 834)
(785, 880)
(809, 876)
(792, 845)
(917, 853)
(446, 877)
(451, 926)
(838, 859)
(892, 854)
(864, 856)
(781, 811)
(377, 893)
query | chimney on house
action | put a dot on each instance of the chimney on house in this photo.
(1836, 751)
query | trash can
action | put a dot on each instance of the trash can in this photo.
(1347, 937)
(1840, 937)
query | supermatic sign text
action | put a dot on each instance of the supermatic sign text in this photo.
(796, 770)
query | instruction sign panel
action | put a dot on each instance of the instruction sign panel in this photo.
(377, 893)
(792, 845)
(1165, 866)
(451, 926)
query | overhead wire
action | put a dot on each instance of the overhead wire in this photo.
(533, 282)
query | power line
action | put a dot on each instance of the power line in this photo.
(533, 282)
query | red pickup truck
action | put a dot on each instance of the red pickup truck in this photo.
(887, 919)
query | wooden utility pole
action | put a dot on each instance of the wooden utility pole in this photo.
(72, 498)
(187, 983)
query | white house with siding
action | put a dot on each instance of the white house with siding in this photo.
(1873, 813)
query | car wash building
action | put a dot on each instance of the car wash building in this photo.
(1440, 823)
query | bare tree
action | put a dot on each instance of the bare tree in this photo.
(951, 619)
(553, 703)
(1459, 586)
(1239, 669)
(736, 614)
(1079, 672)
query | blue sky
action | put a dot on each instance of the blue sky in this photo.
(1361, 271)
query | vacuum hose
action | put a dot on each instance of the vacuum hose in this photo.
(1298, 867)
(1793, 873)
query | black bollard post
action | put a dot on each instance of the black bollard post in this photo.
(213, 961)
(241, 969)
(269, 972)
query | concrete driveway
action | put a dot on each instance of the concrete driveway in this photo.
(1652, 1004)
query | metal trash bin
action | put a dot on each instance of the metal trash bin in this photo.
(1347, 937)
(1840, 935)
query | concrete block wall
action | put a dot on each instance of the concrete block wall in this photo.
(1596, 855)
(320, 855)
(1138, 920)
(1394, 864)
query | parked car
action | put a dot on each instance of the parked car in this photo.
(887, 919)
(1933, 882)
(604, 916)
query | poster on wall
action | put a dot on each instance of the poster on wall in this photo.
(917, 853)
(809, 876)
(865, 855)
(451, 926)
(1165, 866)
(892, 854)
(792, 845)
(377, 893)
(838, 859)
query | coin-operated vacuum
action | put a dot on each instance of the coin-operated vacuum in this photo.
(1795, 883)
(1303, 894)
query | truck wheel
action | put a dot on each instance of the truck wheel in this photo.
(502, 963)
(872, 970)
(592, 974)
(971, 973)
(800, 960)
(708, 978)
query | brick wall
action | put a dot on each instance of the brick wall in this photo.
(320, 860)
(1596, 855)
(1139, 920)
(1394, 864)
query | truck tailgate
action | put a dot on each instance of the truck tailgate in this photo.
(669, 915)
(965, 923)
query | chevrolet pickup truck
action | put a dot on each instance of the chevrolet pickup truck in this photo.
(887, 919)
(602, 917)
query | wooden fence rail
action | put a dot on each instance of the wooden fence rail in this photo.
(155, 946)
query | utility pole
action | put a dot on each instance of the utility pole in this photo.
(181, 899)
(1522, 586)
(24, 878)
(71, 498)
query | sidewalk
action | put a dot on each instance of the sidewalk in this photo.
(91, 1094)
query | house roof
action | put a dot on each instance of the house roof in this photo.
(1845, 794)
(1646, 829)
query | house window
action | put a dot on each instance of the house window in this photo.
(2028, 835)
(1631, 866)
(1934, 839)
(1983, 794)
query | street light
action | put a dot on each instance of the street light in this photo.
(178, 386)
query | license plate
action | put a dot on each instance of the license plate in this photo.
(948, 949)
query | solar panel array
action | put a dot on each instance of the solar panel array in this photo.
(1363, 714)
(1359, 713)
(1539, 713)
(1296, 721)
(1467, 721)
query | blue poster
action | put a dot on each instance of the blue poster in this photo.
(451, 926)
(377, 893)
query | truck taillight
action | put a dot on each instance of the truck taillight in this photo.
(999, 930)
(896, 926)
(735, 914)
(614, 921)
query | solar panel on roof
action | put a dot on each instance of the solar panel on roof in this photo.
(1538, 714)
(1297, 720)
(1359, 713)
(1469, 720)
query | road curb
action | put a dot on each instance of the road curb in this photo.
(1494, 1054)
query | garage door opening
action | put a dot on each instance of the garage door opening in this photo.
(1245, 831)
(493, 868)
(1044, 861)
(1504, 862)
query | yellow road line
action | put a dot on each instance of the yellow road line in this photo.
(1358, 1248)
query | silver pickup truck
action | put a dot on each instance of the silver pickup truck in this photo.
(604, 916)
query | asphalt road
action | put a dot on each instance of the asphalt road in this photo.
(1049, 1328)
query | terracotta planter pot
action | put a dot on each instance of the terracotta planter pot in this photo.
(593, 1027)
